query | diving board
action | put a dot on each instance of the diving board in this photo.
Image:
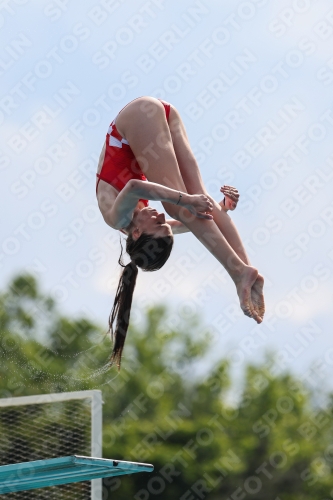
(43, 473)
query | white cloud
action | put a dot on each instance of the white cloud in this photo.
(314, 305)
(176, 69)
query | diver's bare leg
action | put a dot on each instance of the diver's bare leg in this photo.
(144, 126)
(194, 184)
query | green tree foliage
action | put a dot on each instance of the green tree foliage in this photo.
(274, 444)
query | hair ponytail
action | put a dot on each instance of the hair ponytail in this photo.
(122, 309)
(148, 253)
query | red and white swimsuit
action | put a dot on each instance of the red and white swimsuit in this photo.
(120, 165)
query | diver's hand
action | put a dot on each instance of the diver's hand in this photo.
(231, 197)
(199, 205)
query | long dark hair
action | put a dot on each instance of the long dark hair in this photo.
(148, 253)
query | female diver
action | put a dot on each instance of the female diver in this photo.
(147, 156)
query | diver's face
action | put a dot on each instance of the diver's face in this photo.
(150, 221)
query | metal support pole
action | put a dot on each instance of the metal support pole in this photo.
(96, 439)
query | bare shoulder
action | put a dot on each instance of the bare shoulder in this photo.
(106, 196)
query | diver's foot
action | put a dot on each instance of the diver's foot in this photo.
(244, 288)
(257, 296)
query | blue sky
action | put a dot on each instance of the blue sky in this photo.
(253, 82)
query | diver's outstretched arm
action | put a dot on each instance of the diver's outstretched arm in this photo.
(119, 215)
